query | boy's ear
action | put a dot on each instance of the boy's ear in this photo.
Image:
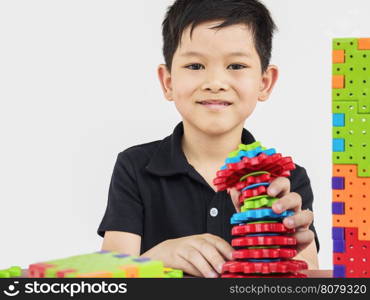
(268, 81)
(165, 79)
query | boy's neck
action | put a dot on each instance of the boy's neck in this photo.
(202, 149)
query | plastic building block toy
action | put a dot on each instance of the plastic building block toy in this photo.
(11, 272)
(102, 264)
(263, 248)
(351, 157)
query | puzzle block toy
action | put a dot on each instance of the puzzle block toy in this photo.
(351, 255)
(102, 264)
(351, 157)
(263, 248)
(14, 271)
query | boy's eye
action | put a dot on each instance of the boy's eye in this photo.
(236, 66)
(194, 66)
(200, 66)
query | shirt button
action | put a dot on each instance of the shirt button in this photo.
(213, 212)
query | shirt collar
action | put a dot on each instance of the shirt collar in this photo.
(169, 159)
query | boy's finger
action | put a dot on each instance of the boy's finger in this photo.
(279, 187)
(194, 257)
(234, 195)
(221, 245)
(300, 219)
(211, 254)
(290, 201)
(187, 267)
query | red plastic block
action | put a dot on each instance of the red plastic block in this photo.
(356, 257)
(38, 270)
(264, 253)
(260, 227)
(264, 267)
(63, 273)
(241, 275)
(264, 240)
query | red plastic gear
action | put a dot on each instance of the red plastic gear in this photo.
(264, 253)
(275, 164)
(286, 275)
(264, 240)
(258, 191)
(260, 227)
(288, 266)
(252, 180)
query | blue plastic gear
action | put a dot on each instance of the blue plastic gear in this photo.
(259, 214)
(252, 186)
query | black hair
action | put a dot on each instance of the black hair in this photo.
(184, 13)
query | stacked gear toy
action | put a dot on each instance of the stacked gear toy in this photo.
(264, 246)
(102, 264)
(351, 157)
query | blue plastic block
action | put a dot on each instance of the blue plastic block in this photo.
(338, 120)
(337, 208)
(338, 145)
(338, 233)
(339, 271)
(339, 246)
(337, 183)
(258, 215)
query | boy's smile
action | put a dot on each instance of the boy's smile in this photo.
(216, 78)
(215, 104)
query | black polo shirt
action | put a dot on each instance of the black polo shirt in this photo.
(155, 193)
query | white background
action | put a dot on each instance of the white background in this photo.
(78, 85)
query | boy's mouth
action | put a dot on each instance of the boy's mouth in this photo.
(215, 104)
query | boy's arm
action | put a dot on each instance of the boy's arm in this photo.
(309, 255)
(122, 242)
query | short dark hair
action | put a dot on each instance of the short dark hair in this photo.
(184, 13)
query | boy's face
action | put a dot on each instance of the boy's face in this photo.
(216, 78)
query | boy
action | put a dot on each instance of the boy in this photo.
(162, 203)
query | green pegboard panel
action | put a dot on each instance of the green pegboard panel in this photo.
(354, 102)
(356, 71)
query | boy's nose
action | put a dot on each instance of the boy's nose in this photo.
(214, 86)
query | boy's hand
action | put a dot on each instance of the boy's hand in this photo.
(301, 220)
(197, 255)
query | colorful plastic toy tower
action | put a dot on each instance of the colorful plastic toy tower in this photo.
(262, 247)
(102, 264)
(351, 157)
